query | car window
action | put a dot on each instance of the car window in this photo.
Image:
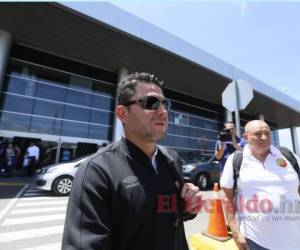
(203, 159)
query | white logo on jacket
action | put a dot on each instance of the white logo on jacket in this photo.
(131, 181)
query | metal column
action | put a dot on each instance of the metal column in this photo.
(5, 45)
(228, 115)
(295, 140)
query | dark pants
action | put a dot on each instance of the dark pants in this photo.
(11, 167)
(31, 166)
(29, 169)
(254, 246)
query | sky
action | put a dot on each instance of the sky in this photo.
(260, 38)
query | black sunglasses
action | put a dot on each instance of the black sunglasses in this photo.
(150, 102)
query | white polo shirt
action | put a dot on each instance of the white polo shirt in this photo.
(268, 202)
(33, 151)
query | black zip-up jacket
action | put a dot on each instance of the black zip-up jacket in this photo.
(119, 202)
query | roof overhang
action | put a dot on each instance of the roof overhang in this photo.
(112, 38)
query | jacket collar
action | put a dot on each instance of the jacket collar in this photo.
(131, 150)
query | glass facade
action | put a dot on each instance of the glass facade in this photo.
(37, 99)
(44, 95)
(192, 130)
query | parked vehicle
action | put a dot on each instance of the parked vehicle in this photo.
(58, 178)
(202, 173)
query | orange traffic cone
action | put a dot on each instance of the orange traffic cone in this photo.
(216, 226)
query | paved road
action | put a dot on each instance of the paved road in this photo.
(200, 223)
(34, 221)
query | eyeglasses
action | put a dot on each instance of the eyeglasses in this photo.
(151, 103)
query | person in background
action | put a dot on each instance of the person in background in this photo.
(32, 155)
(130, 195)
(266, 198)
(225, 147)
(18, 155)
(10, 160)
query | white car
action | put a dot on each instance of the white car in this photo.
(58, 178)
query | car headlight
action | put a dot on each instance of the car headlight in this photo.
(42, 171)
(50, 170)
(189, 167)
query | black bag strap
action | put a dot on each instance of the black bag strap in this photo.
(237, 162)
(291, 158)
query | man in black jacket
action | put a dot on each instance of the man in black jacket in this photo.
(130, 195)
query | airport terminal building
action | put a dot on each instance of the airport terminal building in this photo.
(60, 65)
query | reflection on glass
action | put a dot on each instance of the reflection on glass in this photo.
(45, 125)
(77, 114)
(101, 117)
(51, 98)
(101, 102)
(79, 98)
(20, 86)
(51, 92)
(49, 109)
(84, 84)
(100, 132)
(75, 129)
(14, 122)
(17, 103)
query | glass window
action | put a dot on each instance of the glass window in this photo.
(101, 117)
(102, 102)
(80, 83)
(50, 109)
(20, 69)
(207, 134)
(181, 130)
(52, 76)
(202, 123)
(45, 125)
(15, 84)
(171, 128)
(167, 141)
(171, 116)
(100, 132)
(103, 88)
(25, 81)
(51, 92)
(196, 122)
(75, 129)
(79, 98)
(17, 103)
(181, 142)
(14, 121)
(181, 119)
(76, 113)
(191, 134)
(275, 137)
(195, 132)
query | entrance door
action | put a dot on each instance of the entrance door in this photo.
(48, 149)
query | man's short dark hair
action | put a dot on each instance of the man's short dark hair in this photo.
(127, 87)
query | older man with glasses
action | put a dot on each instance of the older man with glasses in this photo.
(131, 195)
